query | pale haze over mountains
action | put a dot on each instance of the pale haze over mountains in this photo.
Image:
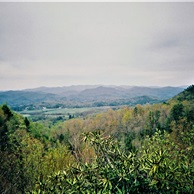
(62, 44)
(86, 96)
(96, 91)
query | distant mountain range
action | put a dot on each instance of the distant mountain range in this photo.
(87, 95)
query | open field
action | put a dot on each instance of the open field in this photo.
(62, 113)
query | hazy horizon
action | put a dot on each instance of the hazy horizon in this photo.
(64, 44)
(93, 86)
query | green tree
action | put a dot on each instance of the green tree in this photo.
(177, 112)
(27, 122)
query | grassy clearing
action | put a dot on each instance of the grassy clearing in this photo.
(64, 112)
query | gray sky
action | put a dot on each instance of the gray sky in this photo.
(58, 44)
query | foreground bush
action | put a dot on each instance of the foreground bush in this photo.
(160, 166)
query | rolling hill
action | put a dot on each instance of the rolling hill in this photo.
(87, 95)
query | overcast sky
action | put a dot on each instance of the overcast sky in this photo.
(58, 44)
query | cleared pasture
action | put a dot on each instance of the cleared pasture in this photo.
(63, 112)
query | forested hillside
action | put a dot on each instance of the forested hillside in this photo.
(141, 149)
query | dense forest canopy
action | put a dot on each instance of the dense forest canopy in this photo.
(140, 149)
